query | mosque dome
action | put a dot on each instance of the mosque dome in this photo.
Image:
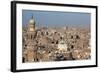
(62, 45)
(32, 21)
(31, 25)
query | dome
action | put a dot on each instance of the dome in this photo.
(31, 21)
(62, 45)
(31, 24)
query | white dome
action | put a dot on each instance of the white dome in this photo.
(32, 21)
(62, 45)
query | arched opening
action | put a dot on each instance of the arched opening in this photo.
(77, 37)
(72, 46)
(71, 37)
(31, 36)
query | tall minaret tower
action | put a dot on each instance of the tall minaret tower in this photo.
(30, 48)
(31, 25)
(31, 29)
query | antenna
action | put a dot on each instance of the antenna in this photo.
(32, 17)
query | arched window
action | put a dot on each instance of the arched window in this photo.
(77, 37)
(31, 37)
(49, 51)
(71, 37)
(37, 59)
(47, 33)
(61, 38)
(56, 42)
(53, 42)
(72, 46)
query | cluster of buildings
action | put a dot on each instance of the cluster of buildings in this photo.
(54, 44)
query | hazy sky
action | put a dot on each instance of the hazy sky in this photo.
(52, 18)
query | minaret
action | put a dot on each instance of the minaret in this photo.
(31, 50)
(31, 29)
(31, 25)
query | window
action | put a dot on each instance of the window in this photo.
(77, 37)
(72, 46)
(31, 36)
(71, 37)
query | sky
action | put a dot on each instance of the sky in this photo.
(56, 19)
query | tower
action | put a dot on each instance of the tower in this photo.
(30, 48)
(31, 29)
(31, 25)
